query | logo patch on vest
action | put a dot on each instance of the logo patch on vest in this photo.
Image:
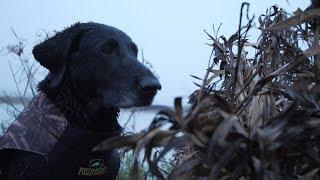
(96, 167)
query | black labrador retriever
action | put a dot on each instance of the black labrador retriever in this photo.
(93, 71)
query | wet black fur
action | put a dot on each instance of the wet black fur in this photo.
(75, 107)
(73, 103)
(88, 84)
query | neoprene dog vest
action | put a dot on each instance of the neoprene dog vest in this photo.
(37, 128)
(41, 128)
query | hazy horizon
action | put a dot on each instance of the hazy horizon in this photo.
(170, 33)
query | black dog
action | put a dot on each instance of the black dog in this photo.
(93, 71)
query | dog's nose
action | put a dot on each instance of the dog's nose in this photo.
(149, 85)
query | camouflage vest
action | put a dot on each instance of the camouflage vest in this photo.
(37, 128)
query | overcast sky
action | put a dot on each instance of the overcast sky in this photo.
(170, 32)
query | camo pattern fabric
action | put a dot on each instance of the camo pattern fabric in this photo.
(37, 128)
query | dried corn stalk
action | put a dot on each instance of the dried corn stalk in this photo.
(253, 117)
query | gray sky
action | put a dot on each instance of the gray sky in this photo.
(170, 32)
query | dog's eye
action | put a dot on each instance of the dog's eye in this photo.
(110, 46)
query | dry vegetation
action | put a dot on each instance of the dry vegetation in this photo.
(23, 72)
(253, 116)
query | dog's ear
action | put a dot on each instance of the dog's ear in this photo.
(55, 52)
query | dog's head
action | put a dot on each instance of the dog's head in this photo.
(102, 62)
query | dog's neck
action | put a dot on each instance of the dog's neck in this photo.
(77, 110)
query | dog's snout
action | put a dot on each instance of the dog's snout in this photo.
(149, 85)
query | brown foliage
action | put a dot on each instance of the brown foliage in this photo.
(253, 117)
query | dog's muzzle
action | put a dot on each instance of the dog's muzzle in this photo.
(149, 85)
